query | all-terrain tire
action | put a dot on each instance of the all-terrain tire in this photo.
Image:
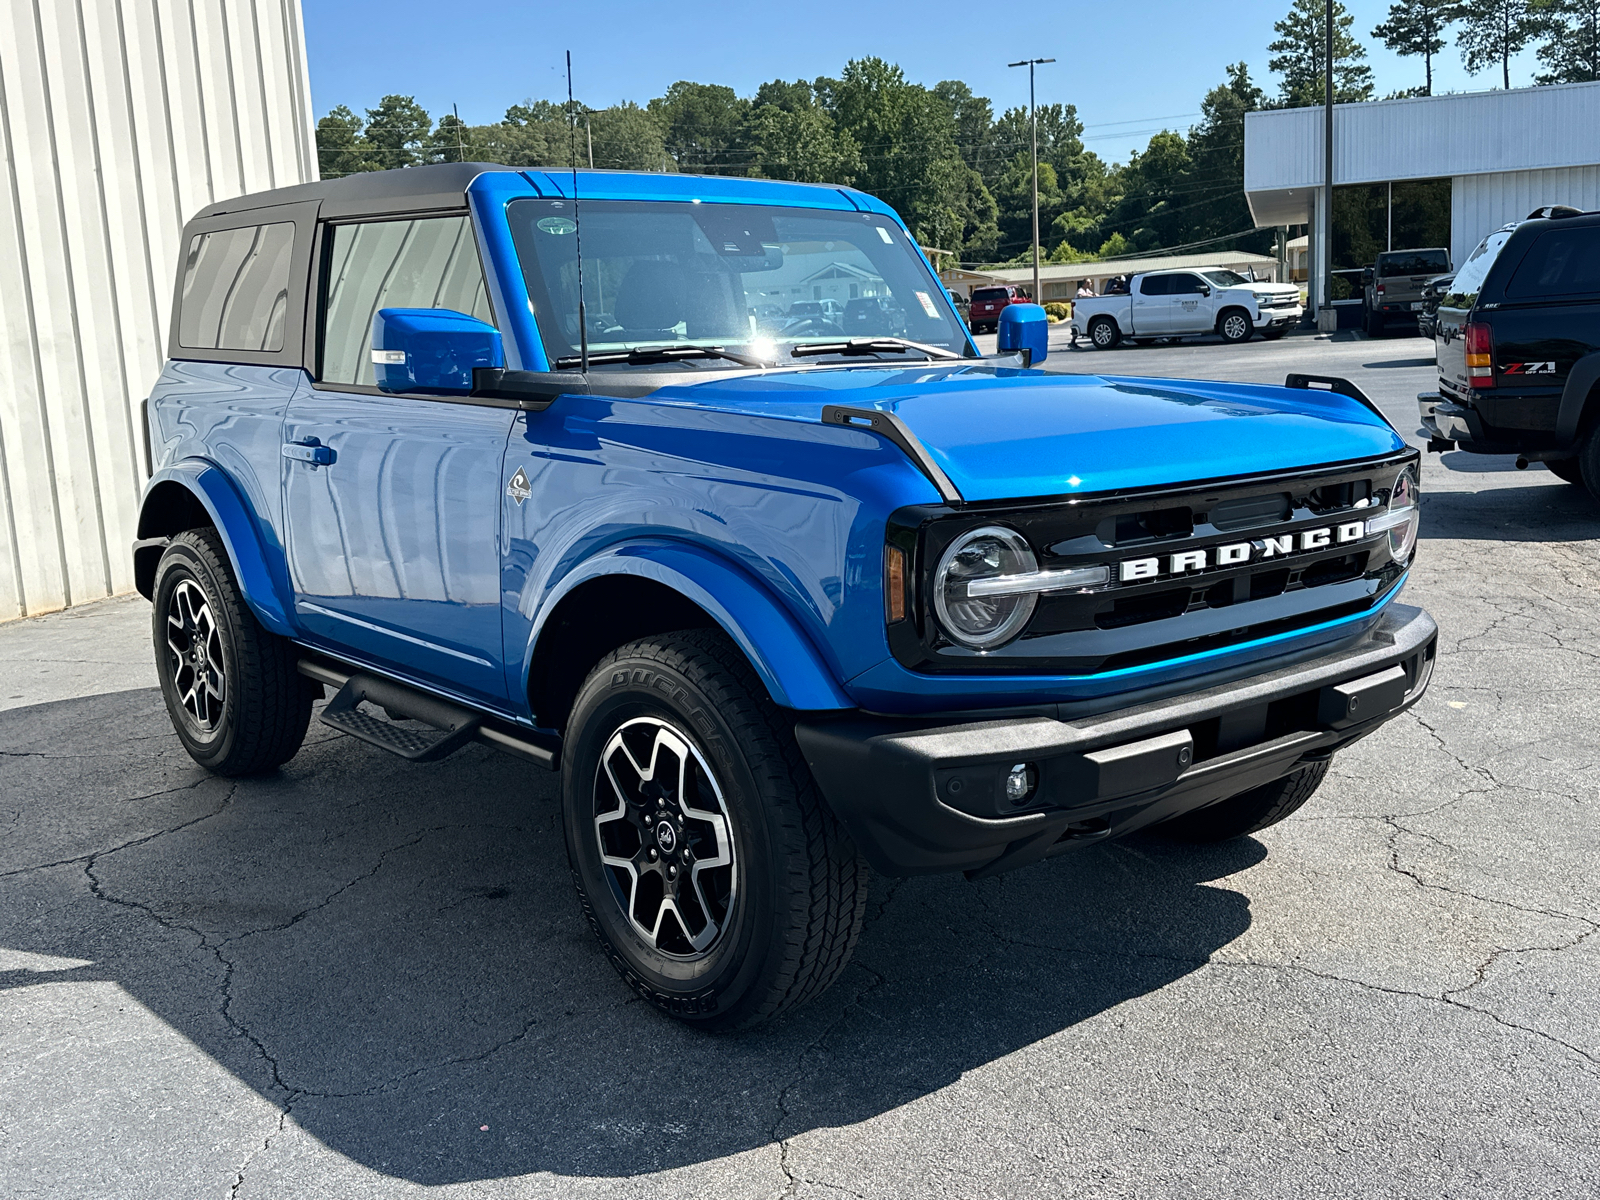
(1249, 811)
(236, 701)
(787, 910)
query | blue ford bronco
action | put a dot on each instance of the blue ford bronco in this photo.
(697, 491)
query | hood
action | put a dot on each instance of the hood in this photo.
(1277, 289)
(1001, 433)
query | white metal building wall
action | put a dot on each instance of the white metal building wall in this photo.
(1480, 204)
(118, 120)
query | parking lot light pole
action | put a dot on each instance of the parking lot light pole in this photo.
(1033, 119)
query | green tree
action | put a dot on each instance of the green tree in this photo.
(1014, 200)
(1215, 205)
(1416, 28)
(703, 127)
(907, 143)
(1152, 212)
(626, 138)
(1493, 31)
(1569, 32)
(1115, 246)
(1299, 52)
(341, 145)
(794, 138)
(397, 132)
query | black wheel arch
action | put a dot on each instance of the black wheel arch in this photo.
(590, 622)
(1580, 400)
(168, 510)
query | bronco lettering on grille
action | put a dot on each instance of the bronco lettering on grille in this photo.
(1235, 554)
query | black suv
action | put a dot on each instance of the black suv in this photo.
(1518, 344)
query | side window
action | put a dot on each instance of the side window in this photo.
(1155, 285)
(1561, 262)
(236, 289)
(1186, 285)
(426, 263)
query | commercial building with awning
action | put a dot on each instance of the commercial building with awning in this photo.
(1059, 281)
(1424, 172)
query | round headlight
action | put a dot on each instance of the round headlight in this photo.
(1403, 501)
(983, 622)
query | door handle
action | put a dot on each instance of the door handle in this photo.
(310, 451)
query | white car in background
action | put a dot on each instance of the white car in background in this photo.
(1175, 304)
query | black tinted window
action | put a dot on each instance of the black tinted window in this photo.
(1156, 285)
(1561, 262)
(1186, 285)
(1414, 262)
(430, 263)
(236, 289)
(989, 294)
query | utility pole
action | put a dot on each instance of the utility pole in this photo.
(1326, 249)
(1033, 117)
(461, 150)
(589, 135)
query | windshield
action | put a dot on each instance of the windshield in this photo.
(1464, 288)
(690, 274)
(1413, 262)
(1225, 278)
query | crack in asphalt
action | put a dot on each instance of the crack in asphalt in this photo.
(138, 841)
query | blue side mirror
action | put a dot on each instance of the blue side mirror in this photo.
(1024, 327)
(431, 349)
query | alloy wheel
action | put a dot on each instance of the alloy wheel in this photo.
(194, 647)
(665, 838)
(1235, 328)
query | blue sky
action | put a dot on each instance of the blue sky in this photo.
(1132, 68)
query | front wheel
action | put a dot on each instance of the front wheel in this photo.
(1249, 811)
(1235, 327)
(720, 885)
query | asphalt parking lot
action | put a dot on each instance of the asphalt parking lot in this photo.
(359, 978)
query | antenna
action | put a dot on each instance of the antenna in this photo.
(577, 227)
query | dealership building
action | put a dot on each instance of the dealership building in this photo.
(1425, 172)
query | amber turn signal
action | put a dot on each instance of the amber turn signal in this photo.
(894, 583)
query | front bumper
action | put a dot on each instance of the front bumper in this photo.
(1277, 318)
(927, 796)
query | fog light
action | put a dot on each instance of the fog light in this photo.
(1021, 783)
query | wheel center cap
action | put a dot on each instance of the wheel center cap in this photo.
(666, 837)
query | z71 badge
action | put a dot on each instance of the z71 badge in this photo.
(1236, 554)
(1529, 368)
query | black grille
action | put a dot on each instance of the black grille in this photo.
(1177, 612)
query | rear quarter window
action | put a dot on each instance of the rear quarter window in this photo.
(1561, 262)
(236, 289)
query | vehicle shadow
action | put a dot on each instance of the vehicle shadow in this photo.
(1548, 510)
(394, 953)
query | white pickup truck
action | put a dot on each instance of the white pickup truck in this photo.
(1173, 304)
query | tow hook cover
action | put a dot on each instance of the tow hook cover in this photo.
(1344, 704)
(1129, 769)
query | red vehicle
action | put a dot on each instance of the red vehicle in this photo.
(987, 303)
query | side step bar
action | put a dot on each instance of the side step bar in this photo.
(452, 726)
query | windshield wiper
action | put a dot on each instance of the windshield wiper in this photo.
(659, 354)
(877, 345)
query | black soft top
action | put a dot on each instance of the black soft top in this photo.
(411, 189)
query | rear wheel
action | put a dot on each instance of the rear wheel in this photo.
(1235, 326)
(1567, 469)
(719, 883)
(1103, 332)
(1249, 811)
(1588, 460)
(1373, 323)
(236, 701)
